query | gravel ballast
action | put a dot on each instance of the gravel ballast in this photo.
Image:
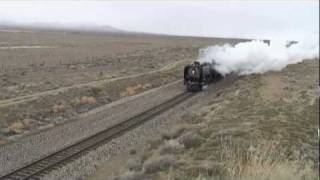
(85, 166)
(31, 148)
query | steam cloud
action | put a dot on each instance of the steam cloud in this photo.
(258, 57)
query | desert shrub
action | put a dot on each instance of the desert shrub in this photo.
(96, 90)
(154, 143)
(59, 108)
(196, 128)
(134, 164)
(190, 140)
(16, 127)
(130, 175)
(3, 141)
(146, 86)
(28, 121)
(88, 100)
(172, 133)
(132, 151)
(146, 154)
(75, 101)
(131, 90)
(84, 100)
(123, 94)
(100, 74)
(171, 147)
(159, 163)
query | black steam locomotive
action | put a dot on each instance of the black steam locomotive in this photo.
(197, 75)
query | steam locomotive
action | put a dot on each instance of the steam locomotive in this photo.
(197, 75)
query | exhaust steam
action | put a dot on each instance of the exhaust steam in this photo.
(256, 57)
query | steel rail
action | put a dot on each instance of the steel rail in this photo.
(37, 169)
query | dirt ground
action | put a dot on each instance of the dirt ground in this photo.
(49, 77)
(260, 127)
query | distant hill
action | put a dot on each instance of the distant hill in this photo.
(57, 26)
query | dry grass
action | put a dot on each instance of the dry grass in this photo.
(265, 161)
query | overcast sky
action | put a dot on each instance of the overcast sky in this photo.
(252, 19)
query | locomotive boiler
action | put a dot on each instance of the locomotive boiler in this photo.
(197, 75)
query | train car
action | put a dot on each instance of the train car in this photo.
(197, 75)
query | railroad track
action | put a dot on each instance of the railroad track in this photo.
(37, 169)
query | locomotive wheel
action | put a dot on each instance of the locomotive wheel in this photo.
(194, 88)
(189, 89)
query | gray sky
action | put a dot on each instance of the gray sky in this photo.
(253, 19)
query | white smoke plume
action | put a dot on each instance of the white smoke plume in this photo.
(256, 57)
